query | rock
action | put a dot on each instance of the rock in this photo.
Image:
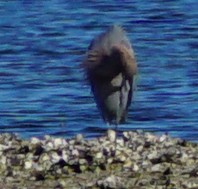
(121, 158)
(146, 164)
(99, 155)
(49, 145)
(28, 165)
(75, 153)
(82, 161)
(140, 148)
(110, 160)
(135, 160)
(79, 138)
(3, 160)
(3, 147)
(163, 138)
(135, 167)
(127, 164)
(126, 136)
(54, 157)
(38, 150)
(158, 168)
(47, 137)
(58, 142)
(152, 155)
(34, 140)
(65, 156)
(150, 137)
(44, 157)
(111, 134)
(120, 142)
(111, 182)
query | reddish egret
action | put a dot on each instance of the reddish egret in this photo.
(110, 67)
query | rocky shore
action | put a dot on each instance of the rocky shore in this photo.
(136, 160)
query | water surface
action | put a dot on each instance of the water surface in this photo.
(42, 43)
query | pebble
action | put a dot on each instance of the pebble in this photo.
(157, 168)
(135, 167)
(54, 157)
(134, 159)
(3, 160)
(28, 164)
(58, 142)
(79, 138)
(75, 153)
(49, 146)
(98, 155)
(127, 164)
(44, 157)
(120, 142)
(112, 182)
(65, 156)
(163, 138)
(34, 140)
(111, 135)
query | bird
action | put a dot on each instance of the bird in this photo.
(110, 68)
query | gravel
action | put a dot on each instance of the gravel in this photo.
(136, 160)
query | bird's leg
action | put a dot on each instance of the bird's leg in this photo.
(116, 135)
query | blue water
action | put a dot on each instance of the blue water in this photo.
(43, 90)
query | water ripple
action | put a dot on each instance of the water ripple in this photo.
(43, 90)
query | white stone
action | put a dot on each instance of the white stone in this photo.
(106, 143)
(57, 142)
(157, 168)
(109, 160)
(153, 155)
(150, 137)
(118, 153)
(3, 147)
(146, 163)
(72, 142)
(111, 182)
(126, 135)
(79, 138)
(65, 156)
(35, 140)
(28, 165)
(122, 158)
(163, 138)
(75, 152)
(136, 156)
(135, 167)
(82, 161)
(127, 164)
(184, 157)
(120, 142)
(3, 160)
(49, 146)
(111, 134)
(98, 155)
(140, 148)
(47, 137)
(29, 156)
(55, 157)
(38, 167)
(44, 157)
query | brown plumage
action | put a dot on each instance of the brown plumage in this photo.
(110, 67)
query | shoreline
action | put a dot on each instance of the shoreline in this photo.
(134, 160)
